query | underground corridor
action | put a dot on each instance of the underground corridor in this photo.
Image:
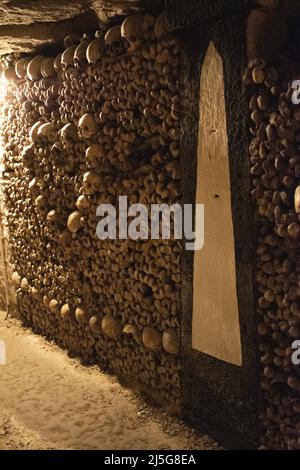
(150, 225)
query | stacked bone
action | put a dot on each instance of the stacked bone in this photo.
(102, 123)
(275, 160)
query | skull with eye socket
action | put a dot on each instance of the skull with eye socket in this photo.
(87, 126)
(136, 29)
(53, 220)
(91, 182)
(79, 57)
(114, 44)
(95, 157)
(42, 204)
(68, 136)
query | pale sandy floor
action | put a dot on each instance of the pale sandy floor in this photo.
(49, 401)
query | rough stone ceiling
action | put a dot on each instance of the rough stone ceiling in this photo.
(30, 25)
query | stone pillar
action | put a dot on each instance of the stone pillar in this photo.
(219, 379)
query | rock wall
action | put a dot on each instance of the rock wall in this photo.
(28, 26)
(99, 121)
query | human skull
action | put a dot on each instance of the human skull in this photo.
(82, 315)
(34, 68)
(113, 42)
(111, 326)
(21, 67)
(28, 156)
(136, 29)
(10, 74)
(152, 338)
(24, 283)
(94, 155)
(91, 183)
(57, 63)
(66, 311)
(47, 133)
(134, 332)
(95, 324)
(47, 68)
(87, 126)
(68, 132)
(67, 57)
(82, 203)
(41, 203)
(95, 51)
(54, 306)
(171, 341)
(74, 221)
(80, 53)
(16, 278)
(33, 133)
(53, 219)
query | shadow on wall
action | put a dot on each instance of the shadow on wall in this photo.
(273, 30)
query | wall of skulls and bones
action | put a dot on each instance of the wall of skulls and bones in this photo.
(98, 121)
(101, 120)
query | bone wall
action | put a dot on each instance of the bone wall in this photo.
(275, 170)
(99, 121)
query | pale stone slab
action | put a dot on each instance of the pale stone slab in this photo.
(216, 328)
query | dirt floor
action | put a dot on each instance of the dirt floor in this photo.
(49, 401)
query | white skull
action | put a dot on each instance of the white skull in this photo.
(41, 203)
(47, 133)
(33, 133)
(134, 332)
(152, 338)
(94, 155)
(111, 326)
(67, 57)
(54, 306)
(10, 74)
(68, 132)
(57, 63)
(87, 126)
(28, 156)
(34, 68)
(74, 221)
(113, 42)
(80, 53)
(16, 278)
(47, 68)
(95, 51)
(21, 67)
(95, 324)
(136, 29)
(82, 202)
(82, 315)
(24, 283)
(91, 183)
(52, 219)
(171, 341)
(66, 311)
